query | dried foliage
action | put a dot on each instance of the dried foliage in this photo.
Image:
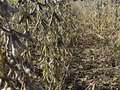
(62, 45)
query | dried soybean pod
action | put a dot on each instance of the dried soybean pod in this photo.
(2, 63)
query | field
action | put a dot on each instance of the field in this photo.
(67, 45)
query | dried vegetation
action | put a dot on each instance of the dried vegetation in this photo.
(61, 46)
